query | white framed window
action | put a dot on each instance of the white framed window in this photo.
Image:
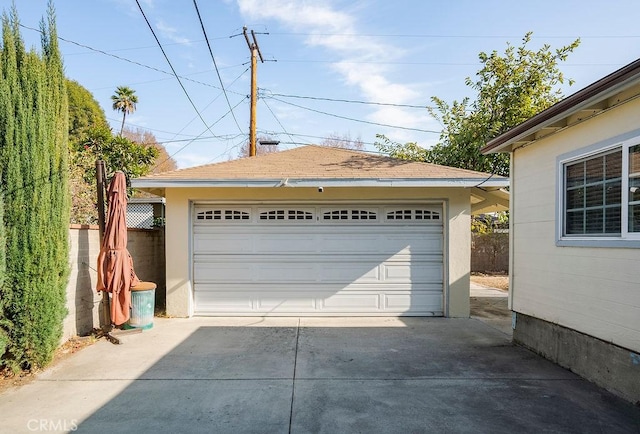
(600, 194)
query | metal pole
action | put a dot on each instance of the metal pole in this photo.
(100, 188)
(100, 183)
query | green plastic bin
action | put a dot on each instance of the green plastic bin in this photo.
(143, 300)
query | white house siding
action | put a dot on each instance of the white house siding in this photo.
(595, 291)
(456, 244)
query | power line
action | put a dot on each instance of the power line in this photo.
(211, 102)
(172, 68)
(226, 151)
(200, 135)
(147, 128)
(185, 77)
(206, 38)
(124, 59)
(357, 120)
(276, 118)
(442, 36)
(379, 62)
(317, 98)
(275, 133)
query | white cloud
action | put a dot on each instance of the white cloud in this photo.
(171, 33)
(335, 31)
(192, 159)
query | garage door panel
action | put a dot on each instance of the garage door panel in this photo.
(291, 272)
(351, 302)
(221, 301)
(344, 272)
(328, 241)
(284, 243)
(350, 271)
(417, 272)
(228, 244)
(320, 290)
(284, 302)
(415, 300)
(413, 243)
(319, 303)
(231, 272)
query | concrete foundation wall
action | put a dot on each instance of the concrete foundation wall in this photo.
(83, 301)
(609, 366)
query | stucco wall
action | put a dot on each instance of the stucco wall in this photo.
(83, 301)
(591, 290)
(178, 237)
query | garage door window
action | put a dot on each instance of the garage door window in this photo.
(223, 214)
(285, 214)
(349, 214)
(413, 214)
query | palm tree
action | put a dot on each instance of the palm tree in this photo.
(124, 100)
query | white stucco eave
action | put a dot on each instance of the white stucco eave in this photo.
(320, 182)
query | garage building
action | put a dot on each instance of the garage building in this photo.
(319, 231)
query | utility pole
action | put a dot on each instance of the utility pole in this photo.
(255, 52)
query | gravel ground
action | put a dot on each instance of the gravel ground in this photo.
(500, 281)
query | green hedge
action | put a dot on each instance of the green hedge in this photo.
(34, 170)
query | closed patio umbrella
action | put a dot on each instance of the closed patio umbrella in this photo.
(115, 266)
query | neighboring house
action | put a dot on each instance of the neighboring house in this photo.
(575, 231)
(321, 231)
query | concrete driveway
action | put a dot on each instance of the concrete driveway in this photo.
(329, 375)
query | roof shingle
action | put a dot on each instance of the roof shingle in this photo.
(317, 162)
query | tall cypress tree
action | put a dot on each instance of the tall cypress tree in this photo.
(34, 168)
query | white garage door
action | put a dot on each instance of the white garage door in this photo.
(318, 260)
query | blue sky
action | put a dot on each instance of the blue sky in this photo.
(376, 51)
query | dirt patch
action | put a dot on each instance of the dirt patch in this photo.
(9, 379)
(500, 281)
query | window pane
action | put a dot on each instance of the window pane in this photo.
(634, 190)
(634, 218)
(595, 195)
(634, 160)
(613, 220)
(575, 222)
(575, 198)
(594, 221)
(595, 169)
(613, 192)
(614, 165)
(575, 174)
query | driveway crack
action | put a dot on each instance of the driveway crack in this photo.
(293, 380)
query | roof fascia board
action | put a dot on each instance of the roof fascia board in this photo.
(445, 182)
